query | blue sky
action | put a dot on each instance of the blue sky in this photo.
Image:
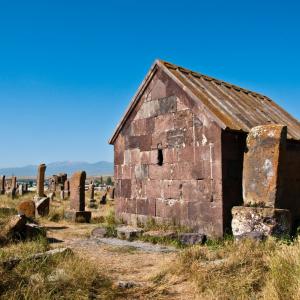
(68, 69)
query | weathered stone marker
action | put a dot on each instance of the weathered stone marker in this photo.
(112, 193)
(77, 186)
(67, 188)
(263, 174)
(42, 202)
(21, 190)
(77, 204)
(2, 185)
(92, 195)
(40, 180)
(264, 165)
(13, 188)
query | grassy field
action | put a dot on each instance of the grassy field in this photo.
(220, 269)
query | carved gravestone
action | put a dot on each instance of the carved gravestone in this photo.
(77, 186)
(40, 180)
(21, 189)
(42, 203)
(264, 162)
(13, 188)
(263, 175)
(112, 193)
(2, 185)
(92, 195)
(77, 199)
(67, 188)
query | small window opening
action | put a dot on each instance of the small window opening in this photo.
(160, 156)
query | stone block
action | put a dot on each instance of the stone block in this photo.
(260, 221)
(145, 206)
(168, 105)
(168, 234)
(128, 233)
(126, 188)
(264, 160)
(141, 172)
(78, 216)
(27, 208)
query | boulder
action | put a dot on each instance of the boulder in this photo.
(260, 222)
(27, 208)
(99, 232)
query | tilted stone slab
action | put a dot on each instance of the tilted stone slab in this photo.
(260, 222)
(264, 161)
(42, 206)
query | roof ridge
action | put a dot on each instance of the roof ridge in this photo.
(209, 78)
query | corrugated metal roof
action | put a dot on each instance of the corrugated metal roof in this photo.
(233, 107)
(237, 108)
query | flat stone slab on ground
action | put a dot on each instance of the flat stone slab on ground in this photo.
(140, 246)
(170, 234)
(11, 263)
(129, 232)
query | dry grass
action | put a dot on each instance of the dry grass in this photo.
(6, 201)
(245, 270)
(62, 277)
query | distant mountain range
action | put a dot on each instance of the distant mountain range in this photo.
(92, 169)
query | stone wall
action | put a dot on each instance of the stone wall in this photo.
(168, 161)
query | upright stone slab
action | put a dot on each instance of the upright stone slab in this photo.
(40, 180)
(2, 185)
(77, 204)
(264, 161)
(13, 188)
(67, 188)
(112, 193)
(77, 186)
(92, 195)
(21, 189)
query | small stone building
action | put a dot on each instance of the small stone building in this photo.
(178, 151)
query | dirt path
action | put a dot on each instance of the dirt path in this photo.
(122, 263)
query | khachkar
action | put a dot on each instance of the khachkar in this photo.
(2, 185)
(13, 188)
(92, 195)
(263, 176)
(42, 202)
(77, 211)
